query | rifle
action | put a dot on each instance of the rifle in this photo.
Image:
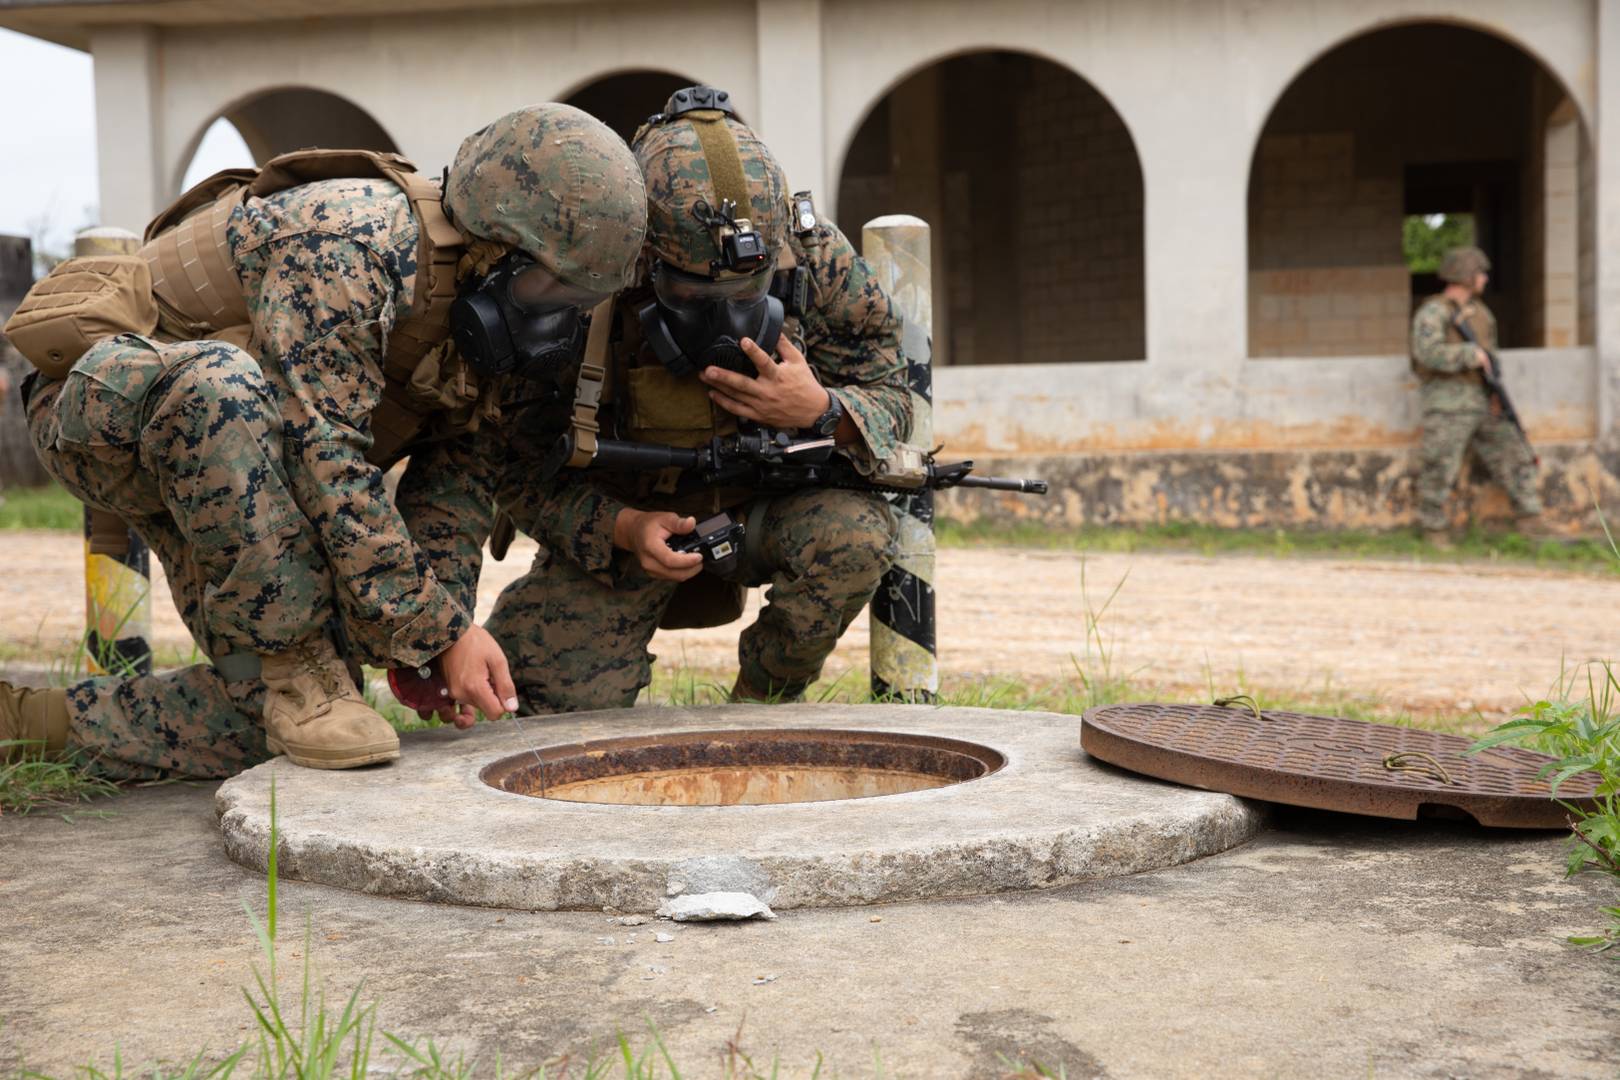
(765, 459)
(1492, 375)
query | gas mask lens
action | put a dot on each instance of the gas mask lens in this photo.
(535, 287)
(676, 288)
(694, 322)
(520, 320)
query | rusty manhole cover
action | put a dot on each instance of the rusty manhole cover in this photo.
(1331, 763)
(742, 768)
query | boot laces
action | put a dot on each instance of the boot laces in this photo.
(326, 676)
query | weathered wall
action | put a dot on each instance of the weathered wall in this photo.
(1037, 188)
(1375, 130)
(1327, 489)
(1326, 275)
(1079, 254)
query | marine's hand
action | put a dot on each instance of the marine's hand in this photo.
(646, 533)
(785, 395)
(475, 670)
(1482, 360)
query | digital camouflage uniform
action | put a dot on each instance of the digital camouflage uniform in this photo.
(1457, 414)
(249, 478)
(576, 627)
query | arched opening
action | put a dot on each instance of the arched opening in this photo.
(624, 100)
(1034, 189)
(1394, 145)
(276, 121)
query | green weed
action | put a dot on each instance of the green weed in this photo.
(30, 784)
(1582, 733)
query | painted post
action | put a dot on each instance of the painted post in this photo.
(904, 663)
(117, 565)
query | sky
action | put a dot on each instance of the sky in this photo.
(48, 152)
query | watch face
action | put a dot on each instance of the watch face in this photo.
(827, 423)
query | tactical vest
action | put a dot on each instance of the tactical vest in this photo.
(199, 295)
(651, 405)
(1479, 320)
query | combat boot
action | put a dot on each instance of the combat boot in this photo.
(37, 718)
(314, 715)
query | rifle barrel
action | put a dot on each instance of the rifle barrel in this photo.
(1003, 483)
(617, 454)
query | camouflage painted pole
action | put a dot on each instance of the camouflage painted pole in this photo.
(904, 664)
(117, 565)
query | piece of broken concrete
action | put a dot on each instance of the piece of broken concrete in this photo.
(706, 907)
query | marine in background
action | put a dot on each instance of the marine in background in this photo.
(241, 421)
(1458, 414)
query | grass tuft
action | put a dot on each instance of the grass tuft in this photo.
(30, 784)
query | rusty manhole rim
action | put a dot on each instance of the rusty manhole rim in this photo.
(573, 762)
(1420, 770)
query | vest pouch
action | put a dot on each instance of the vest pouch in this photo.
(704, 601)
(672, 409)
(80, 302)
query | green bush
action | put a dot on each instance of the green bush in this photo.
(1581, 735)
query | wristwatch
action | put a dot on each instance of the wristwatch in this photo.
(827, 423)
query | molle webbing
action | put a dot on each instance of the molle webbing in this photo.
(193, 274)
(199, 293)
(725, 163)
(186, 248)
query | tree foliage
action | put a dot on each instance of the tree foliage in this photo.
(1425, 238)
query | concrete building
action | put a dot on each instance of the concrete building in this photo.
(1169, 268)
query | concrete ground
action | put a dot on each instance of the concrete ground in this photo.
(1329, 946)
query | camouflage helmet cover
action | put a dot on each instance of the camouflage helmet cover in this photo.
(560, 186)
(679, 179)
(1459, 265)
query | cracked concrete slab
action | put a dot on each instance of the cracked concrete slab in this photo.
(1327, 946)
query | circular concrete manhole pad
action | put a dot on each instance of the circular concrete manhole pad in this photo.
(1001, 801)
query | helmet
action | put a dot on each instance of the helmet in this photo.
(1460, 264)
(697, 158)
(558, 185)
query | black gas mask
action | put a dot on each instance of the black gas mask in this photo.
(695, 321)
(519, 320)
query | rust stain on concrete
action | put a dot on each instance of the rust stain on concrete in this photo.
(1333, 489)
(1347, 433)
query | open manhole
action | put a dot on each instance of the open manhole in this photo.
(742, 768)
(1032, 813)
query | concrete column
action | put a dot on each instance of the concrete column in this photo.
(129, 125)
(1560, 228)
(903, 654)
(1195, 149)
(1608, 214)
(790, 114)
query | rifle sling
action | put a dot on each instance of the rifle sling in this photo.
(588, 387)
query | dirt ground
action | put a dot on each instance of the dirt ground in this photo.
(1416, 636)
